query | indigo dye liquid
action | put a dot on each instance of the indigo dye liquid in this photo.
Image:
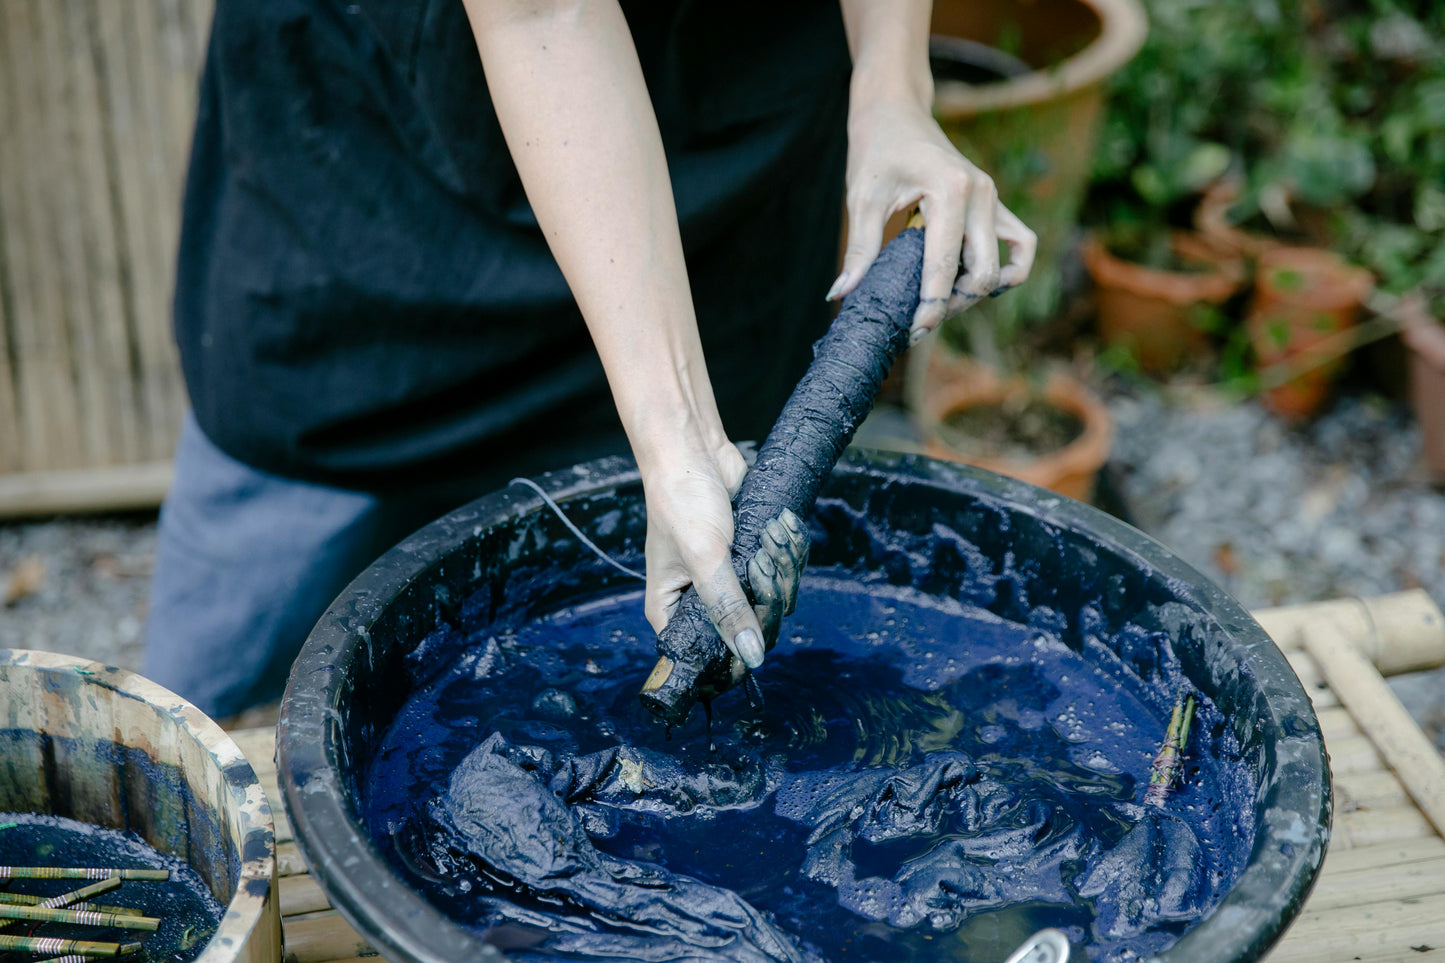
(865, 677)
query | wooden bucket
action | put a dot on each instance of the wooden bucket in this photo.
(107, 747)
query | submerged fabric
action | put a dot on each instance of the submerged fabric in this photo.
(535, 841)
(363, 295)
(527, 818)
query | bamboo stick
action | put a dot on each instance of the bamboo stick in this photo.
(46, 914)
(24, 899)
(46, 944)
(73, 872)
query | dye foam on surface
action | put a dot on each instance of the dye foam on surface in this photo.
(920, 780)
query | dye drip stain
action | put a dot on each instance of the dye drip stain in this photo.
(920, 779)
(187, 911)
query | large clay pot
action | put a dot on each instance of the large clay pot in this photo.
(1157, 314)
(1425, 337)
(1035, 133)
(953, 385)
(1304, 298)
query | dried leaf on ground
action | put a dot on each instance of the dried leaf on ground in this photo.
(25, 579)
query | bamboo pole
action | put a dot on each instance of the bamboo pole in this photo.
(1400, 632)
(1416, 763)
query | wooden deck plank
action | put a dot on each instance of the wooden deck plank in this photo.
(1367, 932)
(1341, 889)
(1385, 854)
(322, 937)
(302, 894)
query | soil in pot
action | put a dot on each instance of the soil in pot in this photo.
(1160, 314)
(915, 779)
(1017, 429)
(1304, 301)
(1056, 434)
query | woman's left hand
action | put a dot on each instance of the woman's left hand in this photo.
(898, 157)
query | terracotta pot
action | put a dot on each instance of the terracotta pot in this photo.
(1212, 221)
(1155, 313)
(1425, 337)
(1035, 132)
(954, 384)
(1303, 297)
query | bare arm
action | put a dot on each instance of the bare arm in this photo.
(898, 157)
(569, 93)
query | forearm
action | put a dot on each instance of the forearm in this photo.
(570, 96)
(889, 44)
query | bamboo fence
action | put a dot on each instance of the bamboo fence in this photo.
(97, 101)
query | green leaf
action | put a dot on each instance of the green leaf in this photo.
(1205, 164)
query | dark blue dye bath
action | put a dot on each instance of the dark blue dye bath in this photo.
(188, 912)
(865, 678)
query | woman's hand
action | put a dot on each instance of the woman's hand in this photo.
(898, 157)
(690, 538)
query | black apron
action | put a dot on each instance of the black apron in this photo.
(363, 296)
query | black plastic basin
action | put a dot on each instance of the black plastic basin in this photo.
(347, 685)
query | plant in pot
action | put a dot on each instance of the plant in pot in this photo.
(1160, 290)
(1389, 67)
(1181, 114)
(1020, 89)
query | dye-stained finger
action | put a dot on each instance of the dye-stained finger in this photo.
(1022, 243)
(731, 614)
(866, 216)
(943, 212)
(980, 250)
(763, 578)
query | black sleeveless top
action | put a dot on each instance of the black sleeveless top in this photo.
(363, 296)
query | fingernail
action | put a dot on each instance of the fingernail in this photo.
(749, 648)
(792, 521)
(765, 562)
(836, 291)
(916, 335)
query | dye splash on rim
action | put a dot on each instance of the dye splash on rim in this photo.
(345, 686)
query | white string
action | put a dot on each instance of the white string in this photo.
(572, 527)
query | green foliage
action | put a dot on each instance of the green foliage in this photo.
(1332, 105)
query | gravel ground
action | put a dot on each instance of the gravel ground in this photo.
(1275, 515)
(77, 585)
(1279, 515)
